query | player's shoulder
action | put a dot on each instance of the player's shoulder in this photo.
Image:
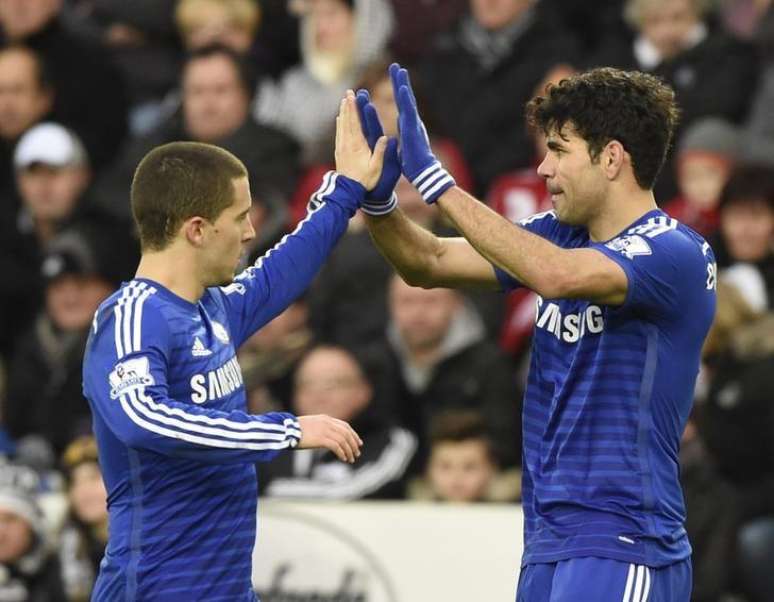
(135, 302)
(547, 225)
(657, 234)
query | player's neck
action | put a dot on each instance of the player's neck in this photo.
(620, 211)
(174, 271)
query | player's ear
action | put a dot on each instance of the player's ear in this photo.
(613, 158)
(194, 229)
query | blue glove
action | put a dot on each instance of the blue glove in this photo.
(418, 163)
(382, 199)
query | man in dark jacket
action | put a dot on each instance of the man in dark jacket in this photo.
(90, 92)
(442, 360)
(331, 380)
(217, 86)
(479, 76)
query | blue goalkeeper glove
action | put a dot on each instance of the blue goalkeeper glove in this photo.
(382, 199)
(418, 163)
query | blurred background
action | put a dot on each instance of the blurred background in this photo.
(431, 379)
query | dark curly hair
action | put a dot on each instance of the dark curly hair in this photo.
(607, 104)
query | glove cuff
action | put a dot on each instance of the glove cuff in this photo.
(432, 182)
(372, 207)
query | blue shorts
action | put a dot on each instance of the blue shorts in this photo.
(593, 579)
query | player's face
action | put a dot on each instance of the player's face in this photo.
(229, 234)
(576, 183)
(460, 471)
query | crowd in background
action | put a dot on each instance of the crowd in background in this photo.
(431, 379)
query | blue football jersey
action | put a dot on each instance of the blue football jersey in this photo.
(608, 395)
(176, 445)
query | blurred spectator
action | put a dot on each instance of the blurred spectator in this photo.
(712, 73)
(90, 92)
(338, 39)
(232, 23)
(266, 31)
(277, 42)
(441, 360)
(139, 37)
(478, 77)
(28, 571)
(462, 466)
(217, 87)
(82, 266)
(330, 380)
(418, 23)
(84, 534)
(590, 22)
(745, 246)
(270, 357)
(759, 130)
(705, 156)
(742, 17)
(735, 423)
(26, 97)
(53, 174)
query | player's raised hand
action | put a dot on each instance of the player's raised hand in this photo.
(354, 157)
(330, 433)
(418, 163)
(381, 200)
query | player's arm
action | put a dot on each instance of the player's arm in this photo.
(125, 379)
(537, 263)
(531, 260)
(424, 259)
(280, 276)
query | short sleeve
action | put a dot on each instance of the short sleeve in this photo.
(663, 272)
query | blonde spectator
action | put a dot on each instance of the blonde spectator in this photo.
(83, 538)
(232, 23)
(339, 38)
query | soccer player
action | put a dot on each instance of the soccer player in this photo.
(626, 297)
(176, 446)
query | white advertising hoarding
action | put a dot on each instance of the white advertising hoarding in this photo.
(386, 552)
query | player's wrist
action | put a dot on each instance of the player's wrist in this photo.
(377, 208)
(432, 181)
(340, 190)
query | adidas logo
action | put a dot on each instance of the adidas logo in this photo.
(199, 350)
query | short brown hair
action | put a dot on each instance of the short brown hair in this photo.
(459, 426)
(607, 104)
(177, 181)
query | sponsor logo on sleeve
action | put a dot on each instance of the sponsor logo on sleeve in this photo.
(631, 246)
(133, 374)
(234, 287)
(220, 331)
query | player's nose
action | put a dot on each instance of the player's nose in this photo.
(546, 168)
